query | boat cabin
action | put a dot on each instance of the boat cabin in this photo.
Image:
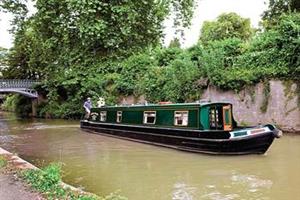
(199, 116)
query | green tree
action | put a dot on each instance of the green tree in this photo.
(278, 7)
(19, 10)
(227, 25)
(3, 57)
(133, 70)
(175, 43)
(274, 53)
(79, 48)
(69, 33)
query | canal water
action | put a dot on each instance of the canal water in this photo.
(101, 164)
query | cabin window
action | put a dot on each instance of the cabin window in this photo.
(94, 116)
(227, 117)
(181, 118)
(215, 117)
(103, 116)
(149, 117)
(212, 119)
(119, 116)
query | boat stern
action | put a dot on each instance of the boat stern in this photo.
(269, 128)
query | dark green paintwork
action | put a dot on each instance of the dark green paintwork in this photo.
(227, 119)
(132, 117)
(111, 116)
(198, 114)
(204, 116)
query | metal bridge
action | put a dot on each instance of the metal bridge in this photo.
(21, 86)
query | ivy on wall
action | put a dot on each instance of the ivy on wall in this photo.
(266, 96)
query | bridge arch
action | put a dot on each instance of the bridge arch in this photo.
(23, 87)
(20, 86)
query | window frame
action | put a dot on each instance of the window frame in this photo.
(100, 116)
(119, 114)
(213, 117)
(94, 116)
(181, 111)
(227, 117)
(148, 111)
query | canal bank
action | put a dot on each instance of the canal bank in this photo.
(20, 179)
(12, 187)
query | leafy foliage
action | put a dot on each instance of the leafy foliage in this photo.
(18, 8)
(277, 8)
(19, 104)
(79, 48)
(3, 57)
(273, 53)
(9, 103)
(227, 25)
(111, 49)
(175, 43)
(3, 161)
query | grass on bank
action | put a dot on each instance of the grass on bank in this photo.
(3, 161)
(48, 182)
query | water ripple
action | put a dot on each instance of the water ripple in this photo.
(253, 182)
(183, 192)
(215, 195)
(41, 127)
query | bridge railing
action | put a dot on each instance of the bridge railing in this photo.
(17, 83)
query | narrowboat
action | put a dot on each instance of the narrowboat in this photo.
(195, 127)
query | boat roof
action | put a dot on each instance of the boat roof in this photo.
(166, 105)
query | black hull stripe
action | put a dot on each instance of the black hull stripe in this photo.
(256, 144)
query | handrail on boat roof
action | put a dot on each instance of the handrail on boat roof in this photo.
(167, 104)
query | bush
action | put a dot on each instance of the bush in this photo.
(3, 161)
(181, 86)
(10, 103)
(19, 104)
(133, 69)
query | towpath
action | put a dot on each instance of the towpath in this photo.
(11, 188)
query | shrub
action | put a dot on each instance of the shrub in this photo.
(3, 161)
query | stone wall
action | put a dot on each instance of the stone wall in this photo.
(275, 102)
(282, 107)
